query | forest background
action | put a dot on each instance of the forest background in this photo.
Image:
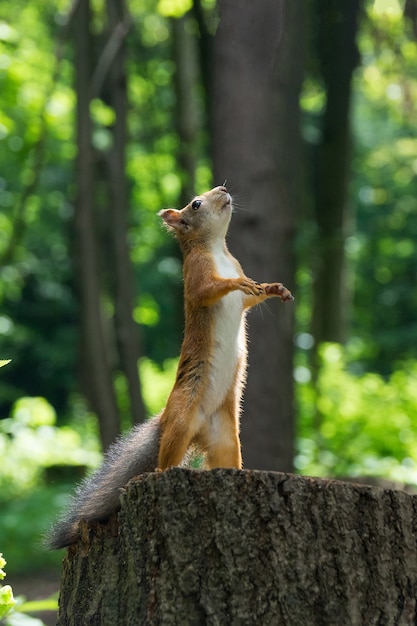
(111, 112)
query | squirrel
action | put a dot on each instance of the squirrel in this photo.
(203, 408)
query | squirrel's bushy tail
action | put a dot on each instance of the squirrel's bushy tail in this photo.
(97, 497)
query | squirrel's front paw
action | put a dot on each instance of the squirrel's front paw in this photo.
(278, 289)
(250, 287)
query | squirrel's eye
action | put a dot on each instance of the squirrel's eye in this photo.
(196, 205)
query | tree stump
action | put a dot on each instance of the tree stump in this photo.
(237, 548)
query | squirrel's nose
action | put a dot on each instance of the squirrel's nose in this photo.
(223, 188)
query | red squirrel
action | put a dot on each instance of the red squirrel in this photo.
(203, 408)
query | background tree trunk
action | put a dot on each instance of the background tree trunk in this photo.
(126, 330)
(187, 111)
(242, 548)
(338, 57)
(95, 362)
(257, 73)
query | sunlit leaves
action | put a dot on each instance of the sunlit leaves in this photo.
(60, 115)
(33, 412)
(101, 113)
(157, 382)
(8, 33)
(384, 170)
(174, 8)
(366, 424)
(147, 312)
(32, 427)
(31, 105)
(7, 600)
(388, 7)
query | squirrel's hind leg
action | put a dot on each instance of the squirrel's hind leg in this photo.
(221, 436)
(178, 427)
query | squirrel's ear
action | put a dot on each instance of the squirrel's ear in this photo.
(170, 216)
(173, 220)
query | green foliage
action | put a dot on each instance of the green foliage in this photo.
(24, 522)
(13, 611)
(352, 425)
(36, 139)
(31, 442)
(383, 249)
(40, 463)
(38, 320)
(34, 487)
(157, 382)
(7, 600)
(382, 201)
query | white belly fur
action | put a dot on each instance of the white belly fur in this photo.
(229, 338)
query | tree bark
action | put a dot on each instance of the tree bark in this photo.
(187, 110)
(230, 547)
(96, 371)
(257, 72)
(410, 13)
(338, 56)
(126, 330)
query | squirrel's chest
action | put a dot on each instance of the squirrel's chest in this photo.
(228, 338)
(228, 311)
(224, 264)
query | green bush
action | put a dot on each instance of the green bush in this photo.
(33, 449)
(358, 425)
(30, 442)
(15, 611)
(7, 601)
(31, 445)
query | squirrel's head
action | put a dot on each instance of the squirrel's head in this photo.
(206, 217)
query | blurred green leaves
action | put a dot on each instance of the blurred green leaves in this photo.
(384, 190)
(358, 425)
(381, 302)
(31, 442)
(7, 601)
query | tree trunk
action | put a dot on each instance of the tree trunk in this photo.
(96, 371)
(410, 13)
(237, 548)
(127, 331)
(187, 110)
(257, 73)
(338, 56)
